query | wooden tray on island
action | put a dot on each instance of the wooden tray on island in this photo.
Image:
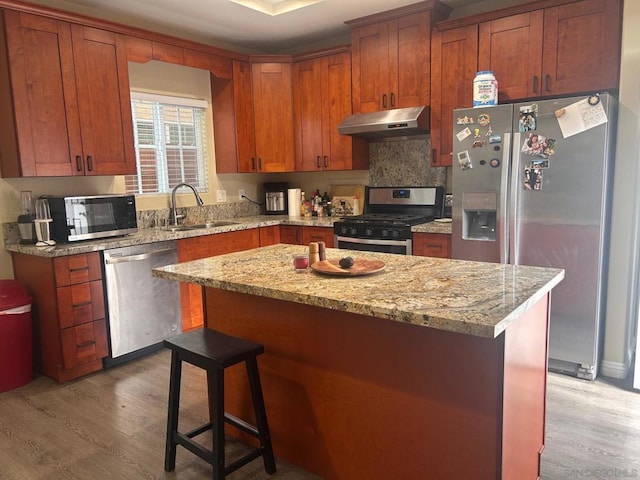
(360, 267)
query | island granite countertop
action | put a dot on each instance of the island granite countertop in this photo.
(473, 298)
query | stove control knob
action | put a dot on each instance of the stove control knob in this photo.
(395, 234)
(353, 231)
(385, 233)
(368, 232)
(344, 230)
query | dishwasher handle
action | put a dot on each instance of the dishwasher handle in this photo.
(135, 258)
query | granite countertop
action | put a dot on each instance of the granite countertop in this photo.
(473, 298)
(152, 235)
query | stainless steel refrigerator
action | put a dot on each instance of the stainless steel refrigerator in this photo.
(532, 186)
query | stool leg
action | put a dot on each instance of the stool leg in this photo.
(261, 415)
(174, 408)
(215, 382)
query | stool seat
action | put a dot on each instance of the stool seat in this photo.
(214, 351)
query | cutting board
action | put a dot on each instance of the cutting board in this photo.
(360, 267)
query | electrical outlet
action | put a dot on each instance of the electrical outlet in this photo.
(240, 193)
(221, 196)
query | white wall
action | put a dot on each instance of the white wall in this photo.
(621, 313)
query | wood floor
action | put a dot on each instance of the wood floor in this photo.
(111, 425)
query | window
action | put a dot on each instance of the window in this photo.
(170, 142)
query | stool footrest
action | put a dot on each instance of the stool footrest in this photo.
(194, 447)
(199, 430)
(241, 425)
(252, 455)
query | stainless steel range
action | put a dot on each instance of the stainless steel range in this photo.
(389, 214)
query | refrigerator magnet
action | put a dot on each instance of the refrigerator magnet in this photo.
(478, 144)
(476, 133)
(532, 178)
(494, 163)
(461, 135)
(535, 145)
(464, 160)
(495, 139)
(484, 119)
(464, 120)
(528, 118)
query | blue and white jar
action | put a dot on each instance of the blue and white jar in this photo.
(485, 89)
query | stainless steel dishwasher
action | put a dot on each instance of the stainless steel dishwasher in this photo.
(142, 310)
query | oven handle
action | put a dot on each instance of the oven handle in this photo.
(371, 241)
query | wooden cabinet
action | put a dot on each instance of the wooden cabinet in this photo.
(566, 48)
(322, 99)
(291, 234)
(254, 129)
(70, 334)
(208, 246)
(65, 100)
(432, 245)
(317, 234)
(269, 235)
(453, 67)
(561, 50)
(390, 62)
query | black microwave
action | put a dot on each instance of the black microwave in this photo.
(92, 217)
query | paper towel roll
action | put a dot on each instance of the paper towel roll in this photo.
(293, 201)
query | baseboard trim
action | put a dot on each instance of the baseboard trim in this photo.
(614, 369)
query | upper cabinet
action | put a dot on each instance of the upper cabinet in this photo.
(567, 48)
(65, 99)
(390, 63)
(254, 124)
(560, 50)
(453, 67)
(322, 99)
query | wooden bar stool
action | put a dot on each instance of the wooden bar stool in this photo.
(214, 351)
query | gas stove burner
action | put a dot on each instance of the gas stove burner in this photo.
(388, 219)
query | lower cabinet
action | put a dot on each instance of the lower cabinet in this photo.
(68, 313)
(269, 235)
(208, 246)
(298, 235)
(432, 245)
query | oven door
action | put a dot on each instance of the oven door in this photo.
(402, 247)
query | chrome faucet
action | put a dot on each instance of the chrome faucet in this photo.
(174, 214)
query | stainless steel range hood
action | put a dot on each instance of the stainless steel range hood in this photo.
(387, 124)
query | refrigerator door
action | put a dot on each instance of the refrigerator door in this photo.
(481, 153)
(559, 218)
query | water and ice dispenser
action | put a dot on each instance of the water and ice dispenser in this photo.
(479, 216)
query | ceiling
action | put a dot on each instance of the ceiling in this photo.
(227, 24)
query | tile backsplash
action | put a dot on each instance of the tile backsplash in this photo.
(404, 163)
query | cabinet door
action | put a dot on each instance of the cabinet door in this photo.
(291, 234)
(245, 126)
(273, 115)
(269, 235)
(338, 153)
(453, 67)
(104, 103)
(432, 245)
(44, 97)
(370, 67)
(308, 105)
(409, 52)
(317, 234)
(581, 47)
(512, 48)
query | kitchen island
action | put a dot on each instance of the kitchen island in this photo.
(430, 369)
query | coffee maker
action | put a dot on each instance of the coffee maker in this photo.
(275, 198)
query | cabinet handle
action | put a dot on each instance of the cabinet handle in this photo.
(79, 269)
(253, 163)
(326, 161)
(90, 162)
(384, 100)
(83, 304)
(79, 163)
(318, 161)
(259, 164)
(393, 99)
(86, 344)
(535, 84)
(434, 154)
(547, 81)
(433, 245)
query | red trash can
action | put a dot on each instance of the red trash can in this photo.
(16, 348)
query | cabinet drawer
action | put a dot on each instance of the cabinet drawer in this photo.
(432, 245)
(78, 304)
(77, 269)
(84, 343)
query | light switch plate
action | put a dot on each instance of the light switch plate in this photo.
(221, 196)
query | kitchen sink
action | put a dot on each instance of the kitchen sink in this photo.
(199, 226)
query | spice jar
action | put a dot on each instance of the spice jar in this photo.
(314, 253)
